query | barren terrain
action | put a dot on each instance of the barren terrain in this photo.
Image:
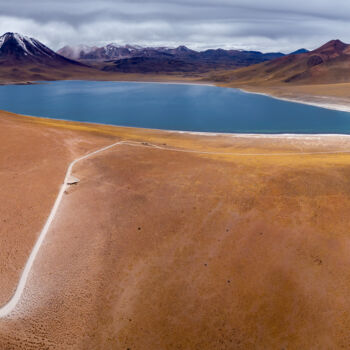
(202, 242)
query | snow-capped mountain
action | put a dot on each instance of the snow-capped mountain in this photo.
(18, 49)
(111, 51)
(115, 52)
(104, 53)
(136, 59)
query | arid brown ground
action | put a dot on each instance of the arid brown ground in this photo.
(161, 249)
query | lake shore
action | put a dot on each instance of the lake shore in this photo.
(133, 130)
(307, 95)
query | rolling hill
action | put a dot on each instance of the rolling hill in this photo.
(328, 64)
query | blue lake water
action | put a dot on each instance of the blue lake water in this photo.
(170, 106)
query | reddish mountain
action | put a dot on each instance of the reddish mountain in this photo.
(328, 64)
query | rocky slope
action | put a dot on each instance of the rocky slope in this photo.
(326, 65)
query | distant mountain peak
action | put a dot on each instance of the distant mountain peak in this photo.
(17, 36)
(19, 45)
(335, 42)
(336, 45)
(20, 39)
(297, 52)
(16, 48)
(183, 48)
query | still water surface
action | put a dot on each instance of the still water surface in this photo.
(170, 106)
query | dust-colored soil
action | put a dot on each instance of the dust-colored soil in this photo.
(161, 249)
(33, 162)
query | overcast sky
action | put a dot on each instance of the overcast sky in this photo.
(265, 25)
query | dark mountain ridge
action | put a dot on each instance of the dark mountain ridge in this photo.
(136, 59)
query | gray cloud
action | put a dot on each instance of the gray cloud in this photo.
(268, 25)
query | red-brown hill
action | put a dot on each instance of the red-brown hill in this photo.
(328, 64)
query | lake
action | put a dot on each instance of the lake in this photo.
(170, 106)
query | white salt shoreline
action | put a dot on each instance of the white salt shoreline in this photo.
(203, 133)
(332, 103)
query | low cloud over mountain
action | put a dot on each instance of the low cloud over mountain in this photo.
(265, 26)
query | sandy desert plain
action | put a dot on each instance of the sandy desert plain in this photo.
(174, 240)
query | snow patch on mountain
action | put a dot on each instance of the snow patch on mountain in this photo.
(19, 49)
(21, 41)
(2, 40)
(28, 46)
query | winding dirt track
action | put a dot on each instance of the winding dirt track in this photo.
(9, 307)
